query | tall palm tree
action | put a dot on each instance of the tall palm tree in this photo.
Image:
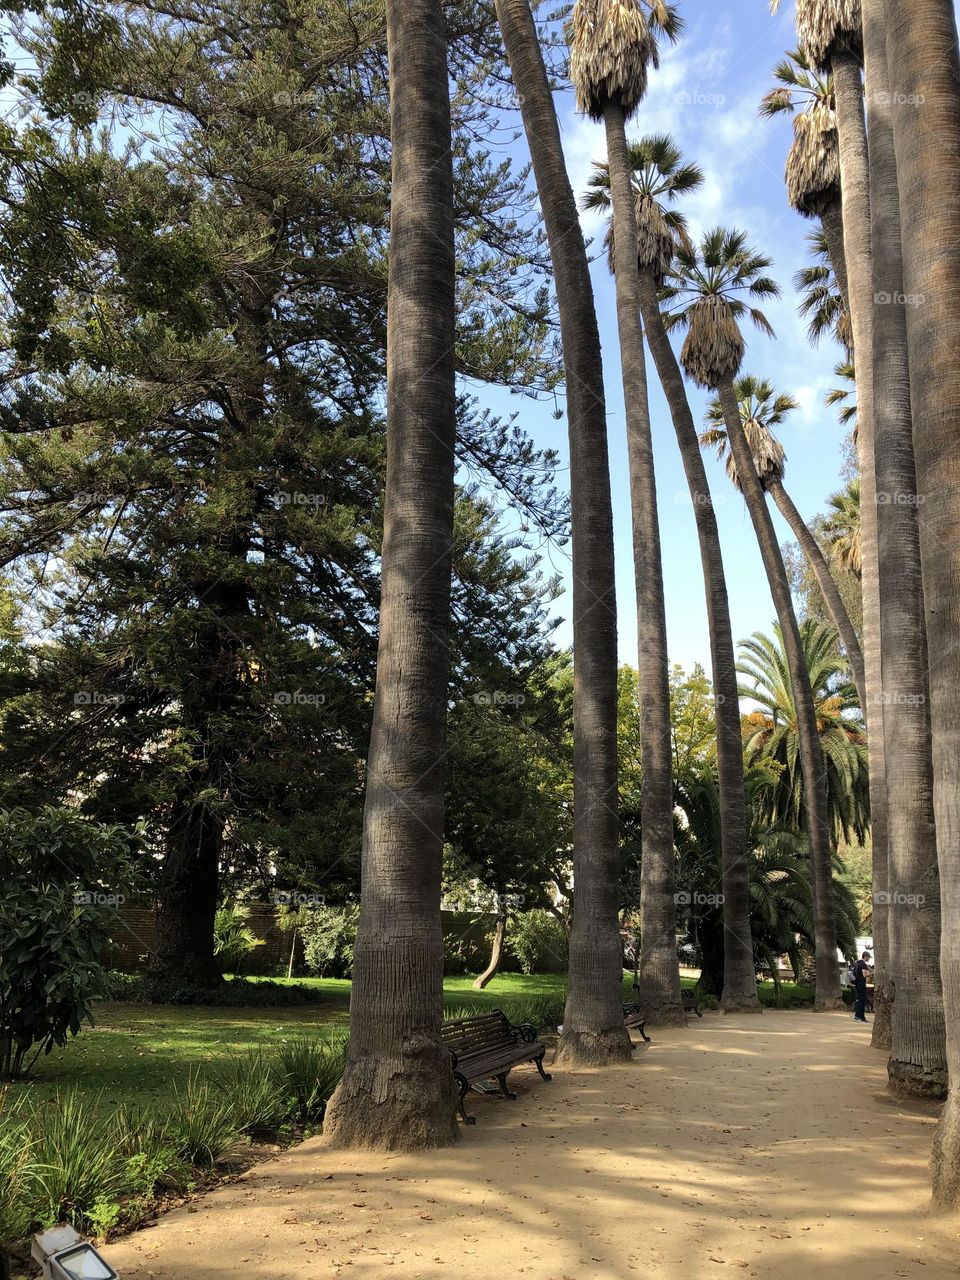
(612, 44)
(813, 162)
(924, 68)
(398, 1089)
(761, 409)
(659, 176)
(909, 946)
(844, 399)
(770, 733)
(842, 528)
(830, 34)
(593, 1021)
(708, 290)
(821, 301)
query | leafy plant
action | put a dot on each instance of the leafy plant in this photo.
(537, 939)
(62, 878)
(17, 1169)
(252, 1091)
(329, 934)
(233, 939)
(148, 1146)
(78, 1169)
(202, 1123)
(309, 1069)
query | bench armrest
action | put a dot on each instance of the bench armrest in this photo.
(524, 1031)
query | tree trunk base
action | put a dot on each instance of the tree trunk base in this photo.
(162, 982)
(589, 1049)
(740, 1002)
(910, 1080)
(882, 1037)
(945, 1160)
(828, 1004)
(395, 1104)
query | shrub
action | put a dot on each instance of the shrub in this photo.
(61, 877)
(79, 1171)
(148, 1147)
(235, 993)
(17, 1170)
(308, 1069)
(329, 934)
(202, 1124)
(538, 940)
(233, 939)
(252, 1092)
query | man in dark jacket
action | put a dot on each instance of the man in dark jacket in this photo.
(860, 971)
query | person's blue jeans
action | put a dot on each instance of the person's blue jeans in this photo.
(860, 1011)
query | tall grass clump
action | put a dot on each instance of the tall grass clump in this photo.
(308, 1069)
(17, 1169)
(250, 1088)
(202, 1123)
(78, 1170)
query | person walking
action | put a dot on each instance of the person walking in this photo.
(860, 971)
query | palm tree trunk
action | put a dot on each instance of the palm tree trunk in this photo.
(925, 78)
(659, 995)
(593, 1029)
(811, 754)
(917, 1063)
(739, 972)
(398, 1090)
(832, 222)
(831, 594)
(855, 187)
(496, 951)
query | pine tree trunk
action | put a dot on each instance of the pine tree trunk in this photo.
(924, 73)
(917, 1063)
(739, 973)
(855, 187)
(593, 1028)
(398, 1090)
(496, 952)
(189, 888)
(811, 754)
(659, 994)
(828, 587)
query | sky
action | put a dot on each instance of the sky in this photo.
(705, 94)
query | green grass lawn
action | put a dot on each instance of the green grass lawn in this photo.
(139, 1052)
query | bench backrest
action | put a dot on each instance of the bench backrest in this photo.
(482, 1031)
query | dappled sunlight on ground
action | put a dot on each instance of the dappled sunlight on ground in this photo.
(762, 1146)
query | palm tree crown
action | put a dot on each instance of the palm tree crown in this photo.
(842, 528)
(828, 27)
(709, 288)
(770, 733)
(844, 397)
(813, 162)
(821, 302)
(761, 409)
(659, 175)
(612, 44)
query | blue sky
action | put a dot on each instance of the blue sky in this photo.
(705, 95)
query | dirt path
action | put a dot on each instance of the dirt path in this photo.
(740, 1146)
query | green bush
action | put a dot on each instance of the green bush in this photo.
(79, 1172)
(249, 1087)
(202, 1123)
(308, 1069)
(233, 939)
(329, 934)
(62, 878)
(17, 1169)
(148, 1147)
(538, 940)
(233, 994)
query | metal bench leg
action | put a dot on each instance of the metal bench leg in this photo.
(502, 1082)
(463, 1086)
(539, 1064)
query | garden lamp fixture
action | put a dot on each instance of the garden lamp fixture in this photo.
(64, 1256)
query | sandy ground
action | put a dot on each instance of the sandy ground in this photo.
(738, 1146)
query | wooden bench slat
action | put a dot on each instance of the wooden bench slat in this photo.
(488, 1045)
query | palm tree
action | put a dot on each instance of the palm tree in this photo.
(760, 411)
(924, 68)
(821, 301)
(842, 528)
(770, 733)
(844, 398)
(593, 1021)
(909, 943)
(398, 1089)
(709, 289)
(813, 162)
(659, 176)
(612, 44)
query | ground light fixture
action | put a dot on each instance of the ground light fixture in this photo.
(64, 1256)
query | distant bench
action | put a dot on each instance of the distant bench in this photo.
(486, 1047)
(634, 1020)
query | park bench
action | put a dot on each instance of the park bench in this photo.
(634, 1020)
(690, 1002)
(486, 1047)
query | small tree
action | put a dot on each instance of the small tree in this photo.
(63, 878)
